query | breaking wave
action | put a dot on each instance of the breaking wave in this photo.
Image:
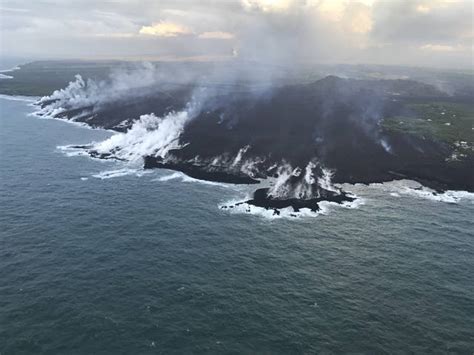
(30, 99)
(109, 174)
(325, 208)
(5, 76)
(174, 176)
(449, 196)
(10, 70)
(73, 150)
(399, 188)
(185, 178)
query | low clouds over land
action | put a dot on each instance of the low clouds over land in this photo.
(417, 32)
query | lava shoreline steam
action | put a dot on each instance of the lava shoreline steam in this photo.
(300, 136)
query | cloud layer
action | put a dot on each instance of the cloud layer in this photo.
(416, 32)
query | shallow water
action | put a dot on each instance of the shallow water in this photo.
(98, 257)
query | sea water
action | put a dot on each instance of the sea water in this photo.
(103, 257)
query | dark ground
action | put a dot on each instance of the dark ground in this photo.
(341, 123)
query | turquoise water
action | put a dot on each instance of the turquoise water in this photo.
(141, 264)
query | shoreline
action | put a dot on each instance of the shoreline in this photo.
(195, 172)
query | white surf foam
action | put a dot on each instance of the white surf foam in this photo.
(325, 208)
(109, 174)
(30, 99)
(237, 207)
(72, 151)
(399, 188)
(173, 176)
(447, 197)
(185, 178)
(10, 70)
(67, 120)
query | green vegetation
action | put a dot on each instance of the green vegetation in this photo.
(452, 123)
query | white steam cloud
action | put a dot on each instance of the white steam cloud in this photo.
(150, 135)
(121, 83)
(301, 183)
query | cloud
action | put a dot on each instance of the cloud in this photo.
(423, 8)
(165, 29)
(267, 5)
(423, 22)
(282, 32)
(438, 48)
(216, 35)
(13, 9)
(359, 18)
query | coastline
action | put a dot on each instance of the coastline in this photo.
(195, 172)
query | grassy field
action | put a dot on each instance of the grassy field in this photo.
(449, 122)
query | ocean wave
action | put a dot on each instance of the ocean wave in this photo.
(449, 196)
(72, 150)
(30, 99)
(10, 70)
(71, 121)
(173, 176)
(399, 188)
(325, 208)
(126, 168)
(185, 178)
(109, 174)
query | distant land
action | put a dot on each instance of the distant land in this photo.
(363, 124)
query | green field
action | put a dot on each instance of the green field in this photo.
(452, 123)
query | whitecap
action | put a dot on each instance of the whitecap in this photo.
(449, 196)
(398, 188)
(239, 207)
(185, 178)
(325, 207)
(173, 176)
(72, 150)
(19, 98)
(109, 174)
(10, 70)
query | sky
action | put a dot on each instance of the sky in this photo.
(435, 33)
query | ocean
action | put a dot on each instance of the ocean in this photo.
(100, 257)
